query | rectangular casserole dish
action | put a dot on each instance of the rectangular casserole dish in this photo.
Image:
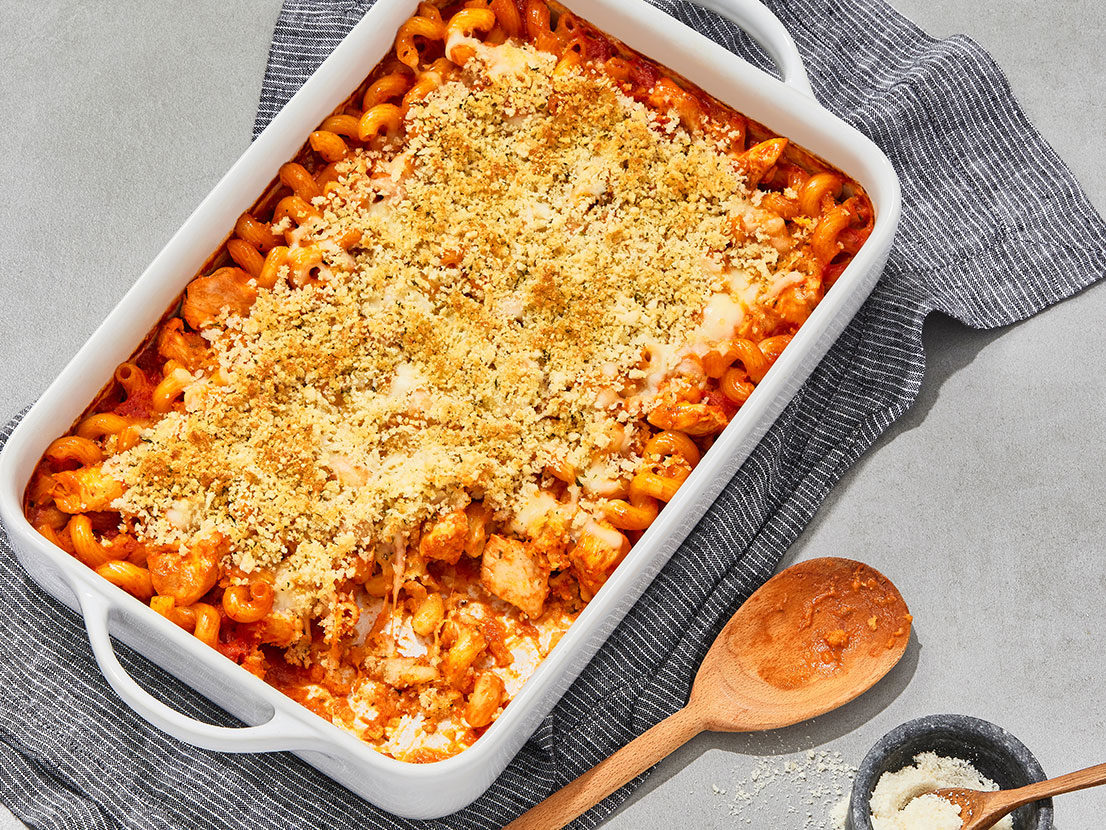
(432, 790)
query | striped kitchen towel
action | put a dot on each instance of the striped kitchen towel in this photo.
(994, 229)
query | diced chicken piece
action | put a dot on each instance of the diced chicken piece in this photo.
(446, 540)
(759, 159)
(401, 672)
(89, 488)
(692, 418)
(596, 555)
(280, 630)
(548, 537)
(186, 347)
(516, 574)
(795, 302)
(226, 290)
(188, 576)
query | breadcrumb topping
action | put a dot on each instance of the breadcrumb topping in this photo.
(535, 257)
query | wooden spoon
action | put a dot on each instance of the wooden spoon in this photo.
(812, 638)
(981, 810)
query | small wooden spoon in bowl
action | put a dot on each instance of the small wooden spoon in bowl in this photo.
(982, 810)
(812, 638)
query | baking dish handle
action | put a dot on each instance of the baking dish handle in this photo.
(281, 732)
(767, 30)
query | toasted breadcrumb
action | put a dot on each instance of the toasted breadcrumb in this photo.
(535, 258)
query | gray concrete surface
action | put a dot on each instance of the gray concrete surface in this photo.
(984, 504)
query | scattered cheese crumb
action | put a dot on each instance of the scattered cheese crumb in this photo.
(809, 784)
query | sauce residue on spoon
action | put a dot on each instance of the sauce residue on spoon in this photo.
(857, 611)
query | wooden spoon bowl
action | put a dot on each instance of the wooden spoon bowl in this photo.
(812, 638)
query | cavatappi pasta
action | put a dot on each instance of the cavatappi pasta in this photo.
(450, 367)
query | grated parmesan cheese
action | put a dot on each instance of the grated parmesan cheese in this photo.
(899, 801)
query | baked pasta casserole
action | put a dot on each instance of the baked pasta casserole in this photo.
(445, 373)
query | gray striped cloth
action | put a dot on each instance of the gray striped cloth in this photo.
(994, 229)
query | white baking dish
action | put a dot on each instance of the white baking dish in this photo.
(432, 790)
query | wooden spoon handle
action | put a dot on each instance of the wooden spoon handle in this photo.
(1089, 777)
(606, 777)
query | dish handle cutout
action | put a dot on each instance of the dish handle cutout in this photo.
(767, 30)
(280, 733)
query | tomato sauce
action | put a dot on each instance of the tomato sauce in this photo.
(853, 614)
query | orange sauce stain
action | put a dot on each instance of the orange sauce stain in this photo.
(850, 616)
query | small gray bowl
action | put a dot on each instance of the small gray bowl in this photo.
(992, 750)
